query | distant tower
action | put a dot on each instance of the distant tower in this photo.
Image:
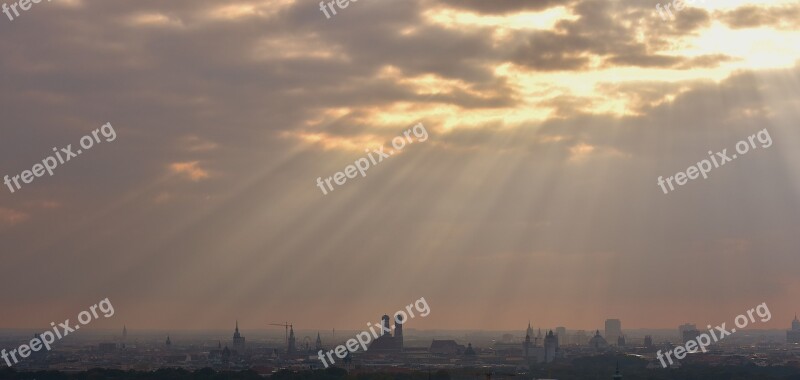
(238, 339)
(613, 329)
(526, 346)
(124, 332)
(793, 335)
(398, 331)
(319, 342)
(550, 347)
(385, 323)
(529, 332)
(621, 341)
(617, 375)
(648, 341)
(169, 342)
(292, 348)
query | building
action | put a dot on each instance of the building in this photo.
(550, 347)
(689, 335)
(648, 341)
(561, 334)
(386, 342)
(598, 342)
(613, 329)
(621, 341)
(318, 345)
(793, 335)
(238, 339)
(292, 347)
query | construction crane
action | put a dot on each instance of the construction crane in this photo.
(287, 326)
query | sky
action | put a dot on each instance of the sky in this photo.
(534, 196)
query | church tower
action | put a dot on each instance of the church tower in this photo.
(292, 348)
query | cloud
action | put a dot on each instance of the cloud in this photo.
(189, 169)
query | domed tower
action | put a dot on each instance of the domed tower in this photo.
(385, 323)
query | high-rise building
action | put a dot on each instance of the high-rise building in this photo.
(550, 347)
(238, 339)
(793, 335)
(613, 329)
(561, 334)
(648, 341)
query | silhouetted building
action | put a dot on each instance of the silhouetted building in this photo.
(292, 348)
(561, 334)
(689, 335)
(169, 342)
(386, 342)
(469, 351)
(621, 341)
(238, 339)
(319, 343)
(598, 342)
(613, 329)
(648, 341)
(526, 346)
(793, 335)
(550, 347)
